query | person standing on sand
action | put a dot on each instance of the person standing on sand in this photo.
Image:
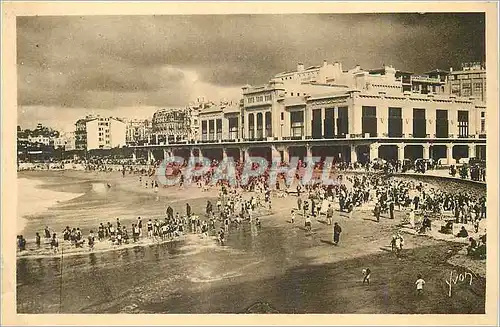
(376, 211)
(47, 232)
(100, 232)
(91, 240)
(420, 285)
(54, 243)
(307, 223)
(156, 229)
(170, 213)
(139, 225)
(391, 209)
(412, 218)
(293, 216)
(393, 242)
(188, 210)
(305, 207)
(329, 214)
(150, 228)
(209, 208)
(336, 233)
(38, 240)
(221, 236)
(476, 225)
(156, 192)
(111, 231)
(21, 243)
(366, 275)
(401, 241)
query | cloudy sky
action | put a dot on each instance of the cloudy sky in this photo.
(131, 65)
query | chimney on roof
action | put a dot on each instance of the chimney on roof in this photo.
(325, 63)
(451, 69)
(300, 67)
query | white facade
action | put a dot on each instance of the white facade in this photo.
(66, 141)
(137, 130)
(470, 81)
(118, 132)
(46, 140)
(105, 133)
(70, 142)
(93, 135)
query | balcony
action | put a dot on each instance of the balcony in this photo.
(293, 138)
(425, 79)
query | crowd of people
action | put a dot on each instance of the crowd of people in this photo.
(474, 172)
(231, 210)
(235, 205)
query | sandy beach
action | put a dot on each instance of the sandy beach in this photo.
(256, 263)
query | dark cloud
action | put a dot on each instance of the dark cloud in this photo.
(108, 61)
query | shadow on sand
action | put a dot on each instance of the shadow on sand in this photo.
(336, 288)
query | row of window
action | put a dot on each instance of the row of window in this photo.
(295, 94)
(259, 98)
(424, 89)
(260, 125)
(168, 119)
(467, 92)
(326, 127)
(306, 74)
(477, 86)
(468, 76)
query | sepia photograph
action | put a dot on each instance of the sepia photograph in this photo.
(253, 163)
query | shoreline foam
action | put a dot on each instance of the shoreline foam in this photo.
(39, 200)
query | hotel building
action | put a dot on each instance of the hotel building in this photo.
(97, 132)
(351, 115)
(469, 81)
(137, 130)
(170, 126)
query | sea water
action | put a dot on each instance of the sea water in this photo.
(32, 200)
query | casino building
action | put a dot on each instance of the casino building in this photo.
(352, 115)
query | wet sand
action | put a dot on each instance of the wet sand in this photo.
(280, 264)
